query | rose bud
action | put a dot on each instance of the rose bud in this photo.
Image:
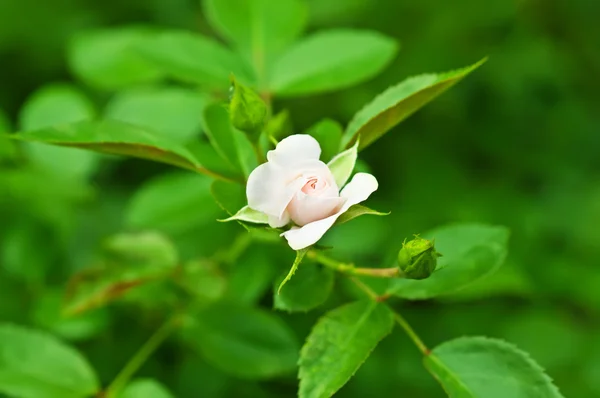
(247, 110)
(417, 259)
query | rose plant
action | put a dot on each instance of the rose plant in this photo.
(283, 187)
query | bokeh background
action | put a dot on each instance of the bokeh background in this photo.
(516, 143)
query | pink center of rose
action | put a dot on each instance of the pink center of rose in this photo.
(312, 185)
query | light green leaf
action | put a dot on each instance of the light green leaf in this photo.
(357, 211)
(342, 165)
(130, 260)
(249, 215)
(54, 105)
(243, 341)
(399, 102)
(117, 138)
(34, 364)
(299, 256)
(229, 142)
(211, 160)
(174, 202)
(329, 135)
(338, 344)
(145, 388)
(480, 367)
(175, 113)
(259, 28)
(331, 60)
(309, 288)
(193, 58)
(106, 58)
(469, 253)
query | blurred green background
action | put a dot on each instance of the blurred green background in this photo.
(516, 143)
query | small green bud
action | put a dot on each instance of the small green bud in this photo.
(417, 259)
(247, 110)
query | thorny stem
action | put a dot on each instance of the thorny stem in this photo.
(352, 272)
(350, 269)
(140, 357)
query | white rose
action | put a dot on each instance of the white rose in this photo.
(295, 185)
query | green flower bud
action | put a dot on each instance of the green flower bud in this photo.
(247, 110)
(417, 259)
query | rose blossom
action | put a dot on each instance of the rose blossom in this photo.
(295, 185)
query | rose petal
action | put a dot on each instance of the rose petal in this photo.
(293, 149)
(356, 191)
(305, 209)
(266, 191)
(278, 222)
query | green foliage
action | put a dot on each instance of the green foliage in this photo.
(342, 165)
(35, 364)
(174, 112)
(399, 102)
(329, 135)
(331, 60)
(248, 215)
(242, 341)
(472, 367)
(106, 58)
(308, 289)
(145, 388)
(338, 344)
(299, 257)
(357, 211)
(470, 252)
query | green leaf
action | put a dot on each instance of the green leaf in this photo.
(259, 28)
(399, 102)
(173, 202)
(251, 275)
(53, 105)
(117, 138)
(357, 211)
(480, 367)
(331, 60)
(229, 142)
(469, 253)
(145, 388)
(249, 215)
(309, 288)
(193, 58)
(8, 149)
(243, 341)
(203, 279)
(34, 364)
(228, 195)
(342, 165)
(338, 344)
(175, 113)
(130, 260)
(106, 58)
(329, 135)
(299, 256)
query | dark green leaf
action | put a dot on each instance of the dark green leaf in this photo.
(469, 253)
(56, 105)
(309, 288)
(251, 276)
(145, 388)
(299, 256)
(479, 367)
(329, 134)
(245, 342)
(117, 138)
(173, 202)
(175, 113)
(107, 59)
(357, 211)
(130, 260)
(259, 28)
(399, 102)
(331, 60)
(338, 344)
(231, 143)
(230, 196)
(193, 58)
(34, 364)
